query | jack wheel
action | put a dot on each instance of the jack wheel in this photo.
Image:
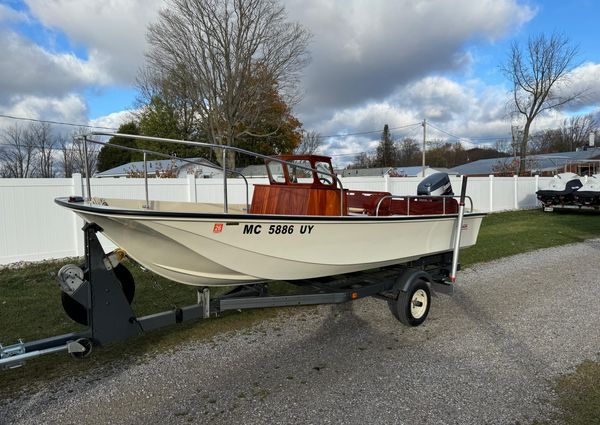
(78, 312)
(412, 307)
(87, 345)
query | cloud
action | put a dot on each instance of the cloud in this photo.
(365, 50)
(50, 82)
(70, 109)
(471, 113)
(112, 35)
(10, 15)
(583, 82)
(114, 120)
(470, 110)
(113, 32)
(373, 62)
(435, 98)
(32, 70)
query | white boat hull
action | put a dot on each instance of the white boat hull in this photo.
(233, 249)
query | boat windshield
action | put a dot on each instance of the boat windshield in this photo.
(296, 174)
(276, 171)
(324, 172)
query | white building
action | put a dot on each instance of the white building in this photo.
(179, 168)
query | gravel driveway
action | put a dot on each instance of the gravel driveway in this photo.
(488, 354)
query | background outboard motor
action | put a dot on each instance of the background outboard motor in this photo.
(437, 184)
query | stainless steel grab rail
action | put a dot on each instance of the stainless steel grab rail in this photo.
(163, 155)
(211, 146)
(409, 197)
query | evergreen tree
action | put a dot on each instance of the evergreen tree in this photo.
(160, 119)
(113, 157)
(387, 153)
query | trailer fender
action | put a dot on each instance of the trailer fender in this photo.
(408, 276)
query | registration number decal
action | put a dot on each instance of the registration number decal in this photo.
(278, 229)
(218, 228)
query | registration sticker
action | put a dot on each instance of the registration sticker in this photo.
(218, 228)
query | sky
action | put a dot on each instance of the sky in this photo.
(373, 62)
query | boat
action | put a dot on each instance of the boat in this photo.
(560, 191)
(589, 193)
(301, 225)
(336, 245)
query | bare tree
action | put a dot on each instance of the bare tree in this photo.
(535, 75)
(503, 146)
(506, 166)
(574, 133)
(228, 54)
(175, 90)
(17, 157)
(66, 156)
(576, 130)
(409, 152)
(362, 160)
(40, 136)
(79, 157)
(310, 143)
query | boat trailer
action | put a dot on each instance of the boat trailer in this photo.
(99, 293)
(104, 302)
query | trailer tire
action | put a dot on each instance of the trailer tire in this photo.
(78, 312)
(412, 306)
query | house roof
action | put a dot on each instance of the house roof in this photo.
(413, 171)
(535, 163)
(416, 171)
(162, 164)
(253, 170)
(365, 172)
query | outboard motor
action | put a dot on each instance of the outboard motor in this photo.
(437, 184)
(561, 190)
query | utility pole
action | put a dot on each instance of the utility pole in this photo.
(424, 138)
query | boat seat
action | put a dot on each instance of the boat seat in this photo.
(356, 211)
(365, 202)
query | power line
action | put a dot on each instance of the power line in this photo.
(367, 132)
(112, 128)
(55, 122)
(57, 145)
(370, 151)
(467, 138)
(350, 154)
(445, 132)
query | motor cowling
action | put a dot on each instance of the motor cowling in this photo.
(437, 184)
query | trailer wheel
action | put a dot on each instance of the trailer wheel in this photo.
(87, 345)
(412, 307)
(78, 312)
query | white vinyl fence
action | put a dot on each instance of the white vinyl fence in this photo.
(33, 227)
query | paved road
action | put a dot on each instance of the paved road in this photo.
(488, 354)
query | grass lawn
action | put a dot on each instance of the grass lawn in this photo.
(30, 307)
(510, 233)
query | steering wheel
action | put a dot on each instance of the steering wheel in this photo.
(325, 180)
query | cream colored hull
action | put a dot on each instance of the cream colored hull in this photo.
(222, 249)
